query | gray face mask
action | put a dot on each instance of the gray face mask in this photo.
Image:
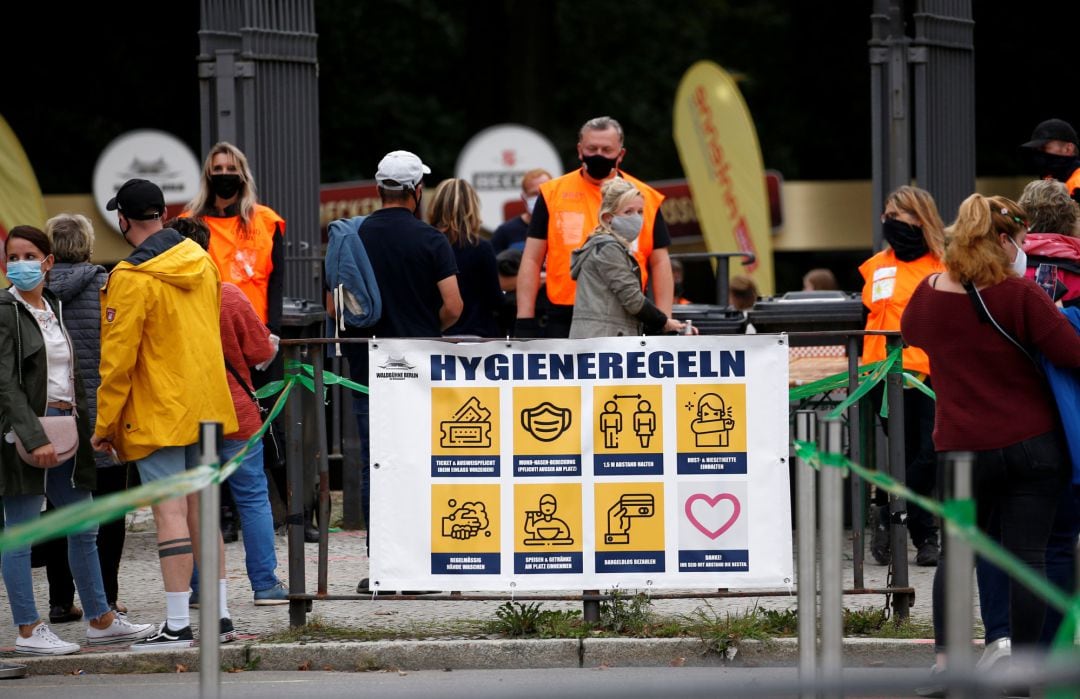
(628, 226)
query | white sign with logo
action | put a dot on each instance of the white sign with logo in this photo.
(629, 462)
(151, 155)
(493, 162)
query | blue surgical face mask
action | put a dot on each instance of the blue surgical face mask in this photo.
(530, 203)
(1019, 263)
(25, 274)
(628, 226)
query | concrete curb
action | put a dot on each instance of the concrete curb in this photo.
(355, 656)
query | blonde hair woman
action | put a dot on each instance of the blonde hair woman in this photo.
(1054, 219)
(455, 210)
(609, 300)
(913, 229)
(991, 397)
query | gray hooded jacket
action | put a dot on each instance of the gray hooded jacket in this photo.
(608, 301)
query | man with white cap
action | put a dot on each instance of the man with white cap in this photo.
(417, 276)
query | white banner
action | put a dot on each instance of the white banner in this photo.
(634, 462)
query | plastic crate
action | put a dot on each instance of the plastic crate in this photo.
(710, 319)
(809, 311)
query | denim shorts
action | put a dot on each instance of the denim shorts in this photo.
(167, 461)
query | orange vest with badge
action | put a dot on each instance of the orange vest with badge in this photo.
(889, 284)
(573, 205)
(245, 257)
(1073, 183)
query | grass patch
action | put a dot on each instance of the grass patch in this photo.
(319, 630)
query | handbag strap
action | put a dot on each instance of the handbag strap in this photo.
(986, 317)
(244, 385)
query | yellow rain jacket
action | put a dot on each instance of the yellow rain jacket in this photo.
(162, 367)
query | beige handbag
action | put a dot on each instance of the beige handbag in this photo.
(63, 433)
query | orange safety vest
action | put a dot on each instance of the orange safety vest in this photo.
(1073, 182)
(573, 205)
(888, 288)
(245, 258)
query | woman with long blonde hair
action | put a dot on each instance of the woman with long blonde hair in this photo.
(915, 235)
(609, 300)
(455, 210)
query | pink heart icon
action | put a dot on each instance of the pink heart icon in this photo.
(713, 502)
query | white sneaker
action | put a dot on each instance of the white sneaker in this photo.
(994, 652)
(44, 642)
(118, 631)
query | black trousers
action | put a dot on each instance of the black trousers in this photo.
(1020, 487)
(920, 471)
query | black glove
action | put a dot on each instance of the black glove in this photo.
(526, 328)
(651, 317)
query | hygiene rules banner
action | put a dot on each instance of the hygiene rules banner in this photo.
(635, 462)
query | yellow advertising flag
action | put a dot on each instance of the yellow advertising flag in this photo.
(21, 202)
(719, 150)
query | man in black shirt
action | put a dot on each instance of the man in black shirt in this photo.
(417, 277)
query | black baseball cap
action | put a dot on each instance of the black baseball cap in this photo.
(1052, 130)
(141, 200)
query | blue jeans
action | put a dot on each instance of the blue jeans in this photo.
(82, 547)
(252, 498)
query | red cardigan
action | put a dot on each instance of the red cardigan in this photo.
(989, 395)
(246, 342)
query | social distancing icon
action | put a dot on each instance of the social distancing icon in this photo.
(628, 435)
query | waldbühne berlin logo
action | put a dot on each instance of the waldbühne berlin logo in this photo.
(396, 369)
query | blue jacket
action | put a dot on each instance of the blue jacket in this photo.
(1065, 384)
(347, 265)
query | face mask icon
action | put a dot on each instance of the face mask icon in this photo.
(546, 421)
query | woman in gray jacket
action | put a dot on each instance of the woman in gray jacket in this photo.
(77, 283)
(609, 301)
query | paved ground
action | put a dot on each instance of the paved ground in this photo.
(141, 590)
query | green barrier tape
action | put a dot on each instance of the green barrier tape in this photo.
(889, 365)
(829, 383)
(74, 518)
(329, 377)
(957, 519)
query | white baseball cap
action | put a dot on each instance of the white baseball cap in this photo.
(400, 169)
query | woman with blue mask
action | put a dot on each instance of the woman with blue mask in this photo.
(609, 301)
(38, 377)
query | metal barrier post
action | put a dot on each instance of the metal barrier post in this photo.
(898, 470)
(209, 563)
(831, 514)
(959, 563)
(591, 607)
(294, 453)
(806, 522)
(324, 469)
(858, 512)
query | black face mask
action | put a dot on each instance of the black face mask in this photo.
(1047, 164)
(907, 241)
(120, 225)
(225, 186)
(598, 166)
